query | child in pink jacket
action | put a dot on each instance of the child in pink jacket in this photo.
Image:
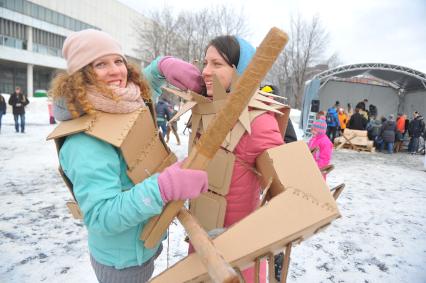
(319, 140)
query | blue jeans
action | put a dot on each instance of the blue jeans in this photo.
(22, 117)
(389, 146)
(1, 115)
(163, 127)
(413, 146)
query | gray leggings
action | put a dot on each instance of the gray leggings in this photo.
(134, 274)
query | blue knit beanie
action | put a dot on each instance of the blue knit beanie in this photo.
(246, 53)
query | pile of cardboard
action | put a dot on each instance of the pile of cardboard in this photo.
(354, 139)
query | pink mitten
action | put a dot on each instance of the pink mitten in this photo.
(181, 74)
(180, 184)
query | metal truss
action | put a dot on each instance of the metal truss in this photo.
(323, 76)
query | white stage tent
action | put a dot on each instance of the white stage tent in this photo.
(398, 89)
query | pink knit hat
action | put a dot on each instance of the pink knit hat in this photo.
(83, 47)
(320, 125)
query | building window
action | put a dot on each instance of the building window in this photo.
(12, 34)
(47, 43)
(39, 12)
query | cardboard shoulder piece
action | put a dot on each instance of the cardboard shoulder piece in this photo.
(304, 205)
(135, 134)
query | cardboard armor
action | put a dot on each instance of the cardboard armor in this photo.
(134, 134)
(300, 205)
(210, 207)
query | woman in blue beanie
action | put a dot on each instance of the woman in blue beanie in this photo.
(222, 55)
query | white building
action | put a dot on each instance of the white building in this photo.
(32, 34)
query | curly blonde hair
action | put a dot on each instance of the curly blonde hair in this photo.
(73, 88)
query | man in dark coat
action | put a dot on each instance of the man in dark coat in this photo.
(357, 121)
(416, 127)
(163, 114)
(388, 133)
(18, 101)
(2, 108)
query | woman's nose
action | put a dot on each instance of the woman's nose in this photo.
(113, 69)
(206, 70)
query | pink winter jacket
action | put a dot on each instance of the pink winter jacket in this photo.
(323, 155)
(243, 196)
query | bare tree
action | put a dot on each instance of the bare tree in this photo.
(187, 34)
(305, 49)
(157, 36)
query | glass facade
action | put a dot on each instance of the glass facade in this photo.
(12, 34)
(47, 43)
(12, 75)
(44, 14)
(15, 35)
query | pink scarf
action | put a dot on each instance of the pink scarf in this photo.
(128, 99)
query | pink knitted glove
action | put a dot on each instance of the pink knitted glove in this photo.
(181, 74)
(180, 184)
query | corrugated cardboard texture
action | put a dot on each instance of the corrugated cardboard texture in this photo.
(220, 171)
(70, 127)
(305, 206)
(211, 208)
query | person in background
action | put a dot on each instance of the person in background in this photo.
(319, 114)
(373, 131)
(172, 127)
(407, 123)
(357, 121)
(372, 112)
(115, 210)
(350, 111)
(319, 140)
(416, 127)
(379, 140)
(18, 101)
(162, 109)
(400, 130)
(343, 119)
(361, 105)
(387, 133)
(2, 108)
(332, 121)
(290, 133)
(362, 108)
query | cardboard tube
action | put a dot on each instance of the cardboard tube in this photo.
(219, 270)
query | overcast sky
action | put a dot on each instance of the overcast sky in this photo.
(362, 31)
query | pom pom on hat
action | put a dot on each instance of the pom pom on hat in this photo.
(83, 47)
(320, 125)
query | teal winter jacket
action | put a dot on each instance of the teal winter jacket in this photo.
(155, 78)
(115, 210)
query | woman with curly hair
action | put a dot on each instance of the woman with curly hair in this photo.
(115, 210)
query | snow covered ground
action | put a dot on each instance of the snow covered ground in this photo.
(381, 236)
